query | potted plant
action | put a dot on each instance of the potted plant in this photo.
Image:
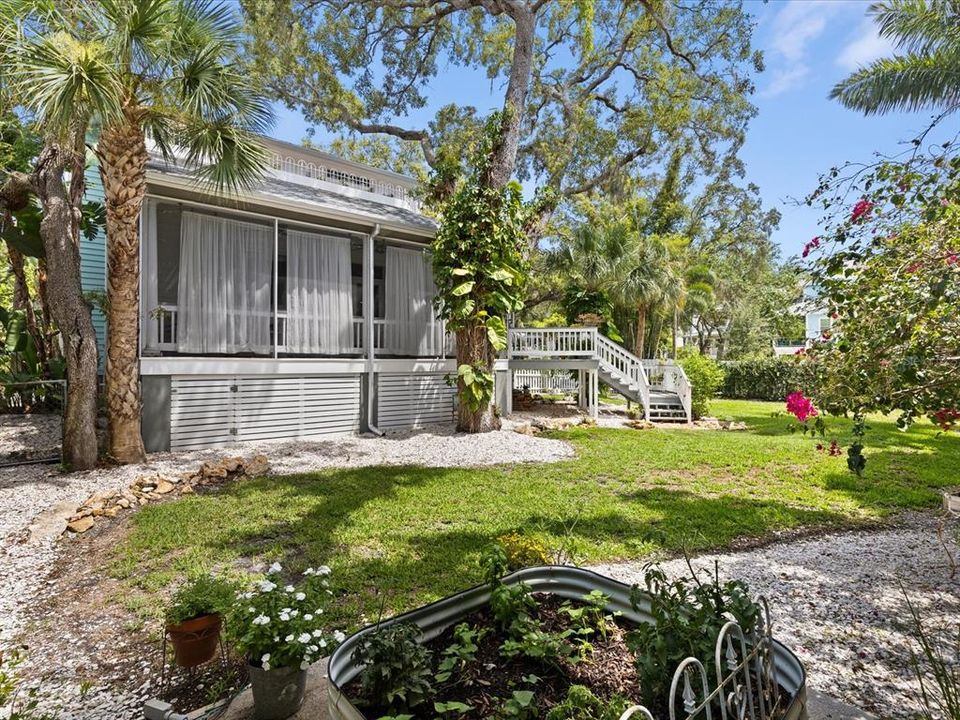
(195, 618)
(279, 629)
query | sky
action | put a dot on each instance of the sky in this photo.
(808, 46)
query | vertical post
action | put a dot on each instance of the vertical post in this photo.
(509, 389)
(594, 394)
(276, 290)
(368, 309)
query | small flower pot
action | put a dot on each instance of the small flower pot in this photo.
(277, 692)
(195, 641)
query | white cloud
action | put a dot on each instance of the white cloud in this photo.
(797, 24)
(791, 32)
(784, 80)
(865, 47)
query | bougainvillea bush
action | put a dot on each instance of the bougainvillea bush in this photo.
(887, 267)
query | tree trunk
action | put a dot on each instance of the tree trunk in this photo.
(474, 348)
(22, 301)
(46, 320)
(123, 161)
(70, 310)
(640, 338)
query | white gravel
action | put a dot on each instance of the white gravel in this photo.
(836, 602)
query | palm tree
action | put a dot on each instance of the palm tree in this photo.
(926, 72)
(648, 282)
(163, 69)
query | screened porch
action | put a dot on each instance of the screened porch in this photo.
(221, 283)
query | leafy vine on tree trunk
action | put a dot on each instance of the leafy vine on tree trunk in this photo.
(480, 268)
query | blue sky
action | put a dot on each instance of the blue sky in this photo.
(798, 133)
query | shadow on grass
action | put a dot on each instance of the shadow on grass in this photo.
(391, 550)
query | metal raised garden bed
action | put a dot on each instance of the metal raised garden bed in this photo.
(734, 694)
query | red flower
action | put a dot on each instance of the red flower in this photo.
(812, 245)
(834, 448)
(861, 210)
(913, 267)
(800, 406)
(952, 259)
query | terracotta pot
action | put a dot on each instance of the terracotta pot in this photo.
(195, 641)
(278, 692)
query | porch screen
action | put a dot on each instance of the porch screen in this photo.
(319, 294)
(411, 327)
(224, 293)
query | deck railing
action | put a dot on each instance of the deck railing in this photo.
(668, 376)
(545, 381)
(552, 342)
(439, 343)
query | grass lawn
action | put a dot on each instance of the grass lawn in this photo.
(405, 535)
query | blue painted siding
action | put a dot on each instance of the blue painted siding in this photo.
(93, 263)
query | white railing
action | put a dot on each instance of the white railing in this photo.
(551, 342)
(629, 367)
(346, 178)
(745, 684)
(545, 381)
(439, 343)
(668, 376)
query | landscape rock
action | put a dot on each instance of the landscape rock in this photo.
(80, 525)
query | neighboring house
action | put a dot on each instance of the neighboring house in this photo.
(817, 321)
(298, 308)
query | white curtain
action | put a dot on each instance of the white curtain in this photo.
(412, 327)
(224, 293)
(319, 294)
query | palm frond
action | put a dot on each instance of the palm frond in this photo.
(136, 30)
(62, 78)
(909, 82)
(206, 22)
(918, 26)
(225, 157)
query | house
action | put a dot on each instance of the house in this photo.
(817, 321)
(299, 308)
(304, 307)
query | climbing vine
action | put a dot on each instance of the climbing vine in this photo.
(480, 267)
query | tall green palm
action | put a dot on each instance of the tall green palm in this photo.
(133, 69)
(925, 74)
(648, 283)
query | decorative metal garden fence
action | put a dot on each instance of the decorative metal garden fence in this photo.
(31, 421)
(746, 679)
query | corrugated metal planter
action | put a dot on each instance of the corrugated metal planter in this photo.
(573, 583)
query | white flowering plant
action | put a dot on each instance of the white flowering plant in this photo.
(282, 625)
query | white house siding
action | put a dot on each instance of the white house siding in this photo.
(224, 410)
(407, 401)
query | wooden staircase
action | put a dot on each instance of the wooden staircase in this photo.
(660, 387)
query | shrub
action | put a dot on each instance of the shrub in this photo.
(523, 551)
(688, 614)
(581, 704)
(766, 378)
(396, 669)
(203, 595)
(706, 378)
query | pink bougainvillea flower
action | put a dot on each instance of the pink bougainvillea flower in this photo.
(834, 448)
(944, 202)
(913, 267)
(951, 259)
(834, 315)
(810, 246)
(800, 406)
(861, 210)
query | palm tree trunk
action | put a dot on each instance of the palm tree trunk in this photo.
(639, 340)
(474, 348)
(123, 162)
(69, 309)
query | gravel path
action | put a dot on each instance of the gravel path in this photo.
(836, 602)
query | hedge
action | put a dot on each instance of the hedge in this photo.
(766, 378)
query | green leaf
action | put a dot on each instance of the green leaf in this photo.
(463, 288)
(460, 272)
